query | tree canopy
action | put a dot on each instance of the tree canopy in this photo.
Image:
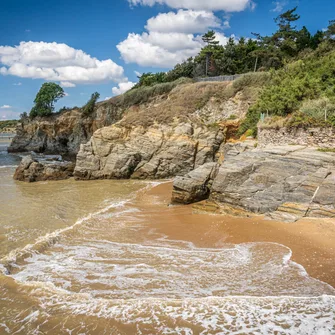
(46, 98)
(261, 53)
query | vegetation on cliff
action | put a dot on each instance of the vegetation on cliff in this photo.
(8, 124)
(88, 109)
(244, 55)
(303, 93)
(45, 99)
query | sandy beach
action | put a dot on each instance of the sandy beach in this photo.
(312, 241)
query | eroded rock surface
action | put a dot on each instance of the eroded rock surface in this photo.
(196, 185)
(156, 152)
(284, 182)
(62, 133)
(33, 169)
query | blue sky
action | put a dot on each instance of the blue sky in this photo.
(99, 46)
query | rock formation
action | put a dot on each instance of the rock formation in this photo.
(156, 152)
(169, 136)
(285, 182)
(61, 133)
(47, 168)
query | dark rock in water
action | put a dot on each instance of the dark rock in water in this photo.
(195, 186)
(41, 169)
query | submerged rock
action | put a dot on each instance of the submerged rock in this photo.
(48, 168)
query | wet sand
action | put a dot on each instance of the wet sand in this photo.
(312, 241)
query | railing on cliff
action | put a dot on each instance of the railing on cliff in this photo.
(219, 78)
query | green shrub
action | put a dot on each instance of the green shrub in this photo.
(321, 109)
(289, 88)
(88, 109)
(46, 97)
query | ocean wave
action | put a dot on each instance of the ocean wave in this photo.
(287, 315)
(44, 242)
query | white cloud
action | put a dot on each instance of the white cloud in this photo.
(209, 5)
(138, 74)
(17, 84)
(184, 21)
(67, 84)
(5, 107)
(170, 39)
(279, 5)
(159, 49)
(57, 62)
(222, 38)
(122, 88)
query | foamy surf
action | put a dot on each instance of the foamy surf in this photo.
(211, 315)
(42, 243)
(114, 273)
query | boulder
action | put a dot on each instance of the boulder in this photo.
(195, 186)
(41, 169)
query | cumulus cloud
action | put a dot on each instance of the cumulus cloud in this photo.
(57, 62)
(171, 38)
(122, 88)
(5, 107)
(184, 21)
(159, 49)
(209, 5)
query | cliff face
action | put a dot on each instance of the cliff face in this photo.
(62, 133)
(169, 136)
(159, 151)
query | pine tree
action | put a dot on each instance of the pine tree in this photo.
(210, 38)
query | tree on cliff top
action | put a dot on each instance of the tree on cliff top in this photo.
(88, 109)
(45, 99)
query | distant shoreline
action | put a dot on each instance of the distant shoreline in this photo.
(6, 137)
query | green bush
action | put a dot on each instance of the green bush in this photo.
(46, 97)
(322, 109)
(289, 88)
(88, 109)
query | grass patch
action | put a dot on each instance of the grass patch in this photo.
(181, 102)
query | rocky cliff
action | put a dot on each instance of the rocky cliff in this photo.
(62, 133)
(164, 104)
(170, 136)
